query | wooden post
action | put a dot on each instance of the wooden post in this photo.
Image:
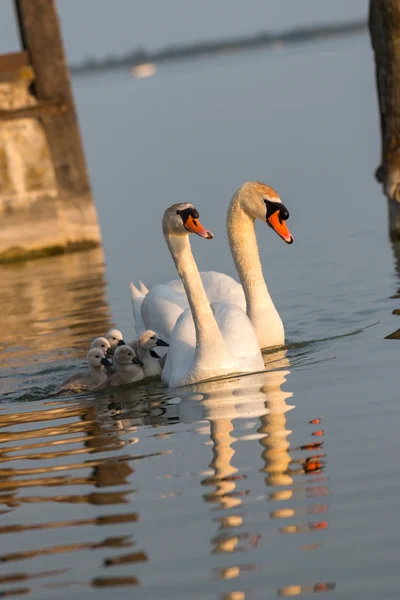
(384, 25)
(41, 38)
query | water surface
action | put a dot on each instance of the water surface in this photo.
(277, 484)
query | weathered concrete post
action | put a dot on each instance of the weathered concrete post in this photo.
(384, 25)
(45, 199)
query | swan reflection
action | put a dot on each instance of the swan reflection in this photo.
(227, 414)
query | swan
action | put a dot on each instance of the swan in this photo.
(144, 348)
(94, 380)
(114, 338)
(162, 305)
(127, 366)
(138, 295)
(103, 343)
(207, 341)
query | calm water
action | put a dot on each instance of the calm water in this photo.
(225, 490)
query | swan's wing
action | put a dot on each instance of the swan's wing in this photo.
(161, 308)
(182, 345)
(223, 288)
(219, 288)
(137, 301)
(162, 305)
(239, 335)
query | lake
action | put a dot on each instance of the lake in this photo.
(271, 485)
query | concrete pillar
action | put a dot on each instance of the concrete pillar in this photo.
(46, 205)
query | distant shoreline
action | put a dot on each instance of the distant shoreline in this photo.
(264, 39)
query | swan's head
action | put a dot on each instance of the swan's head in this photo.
(124, 355)
(115, 338)
(103, 343)
(96, 358)
(262, 202)
(149, 340)
(181, 219)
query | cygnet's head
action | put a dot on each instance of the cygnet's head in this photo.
(103, 343)
(115, 338)
(181, 219)
(124, 355)
(262, 202)
(149, 340)
(96, 358)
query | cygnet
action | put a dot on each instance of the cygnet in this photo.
(114, 338)
(127, 365)
(103, 343)
(144, 348)
(96, 378)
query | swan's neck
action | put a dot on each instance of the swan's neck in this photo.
(243, 244)
(207, 330)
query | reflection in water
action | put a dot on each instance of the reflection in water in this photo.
(71, 425)
(396, 251)
(41, 321)
(300, 590)
(77, 468)
(259, 396)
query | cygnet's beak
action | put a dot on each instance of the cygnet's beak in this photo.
(154, 354)
(110, 352)
(277, 215)
(121, 343)
(194, 226)
(106, 362)
(137, 361)
(161, 343)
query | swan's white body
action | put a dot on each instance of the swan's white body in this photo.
(161, 307)
(186, 363)
(206, 342)
(164, 303)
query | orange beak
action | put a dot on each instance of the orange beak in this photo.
(280, 227)
(194, 226)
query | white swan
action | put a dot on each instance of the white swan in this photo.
(206, 341)
(161, 307)
(144, 348)
(97, 377)
(127, 365)
(138, 295)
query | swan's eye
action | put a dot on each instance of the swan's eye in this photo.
(178, 212)
(115, 339)
(273, 207)
(153, 337)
